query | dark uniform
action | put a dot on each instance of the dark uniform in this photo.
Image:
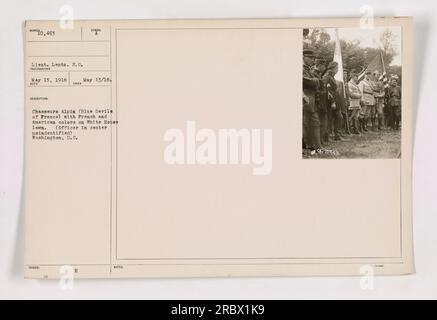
(311, 120)
(388, 115)
(322, 101)
(335, 103)
(395, 95)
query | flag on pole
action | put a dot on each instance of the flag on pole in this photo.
(338, 58)
(377, 64)
(339, 76)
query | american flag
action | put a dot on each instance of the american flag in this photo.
(377, 64)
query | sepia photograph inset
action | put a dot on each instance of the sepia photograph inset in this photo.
(352, 90)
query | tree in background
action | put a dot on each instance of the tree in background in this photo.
(356, 57)
(388, 46)
(321, 43)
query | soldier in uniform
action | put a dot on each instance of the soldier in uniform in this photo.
(322, 99)
(311, 121)
(367, 100)
(395, 95)
(379, 93)
(354, 102)
(345, 112)
(388, 116)
(335, 103)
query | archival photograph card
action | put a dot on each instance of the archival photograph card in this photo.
(217, 148)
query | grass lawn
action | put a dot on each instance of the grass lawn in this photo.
(385, 144)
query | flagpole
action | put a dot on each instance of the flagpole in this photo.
(382, 59)
(384, 73)
(339, 56)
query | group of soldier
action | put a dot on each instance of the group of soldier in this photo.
(333, 109)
